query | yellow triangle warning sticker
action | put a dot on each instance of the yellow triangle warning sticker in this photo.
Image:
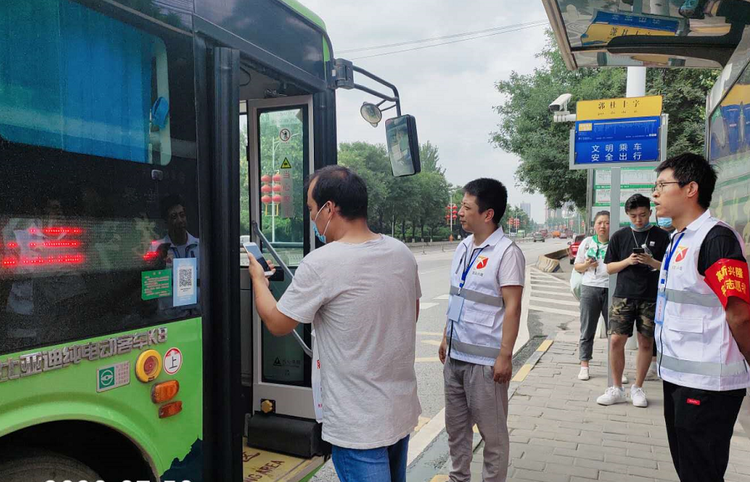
(286, 164)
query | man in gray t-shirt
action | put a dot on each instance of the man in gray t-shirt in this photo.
(361, 293)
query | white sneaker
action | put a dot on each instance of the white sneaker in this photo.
(638, 397)
(611, 396)
(624, 379)
(584, 373)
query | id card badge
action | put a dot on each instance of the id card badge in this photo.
(661, 303)
(455, 306)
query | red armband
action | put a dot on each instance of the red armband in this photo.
(729, 277)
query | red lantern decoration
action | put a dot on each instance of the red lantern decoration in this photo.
(277, 177)
(277, 199)
(277, 188)
(265, 190)
(265, 178)
(266, 200)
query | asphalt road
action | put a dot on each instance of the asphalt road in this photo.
(434, 267)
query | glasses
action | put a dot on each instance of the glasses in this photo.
(659, 186)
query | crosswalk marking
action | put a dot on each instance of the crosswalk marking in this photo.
(431, 342)
(427, 306)
(565, 293)
(557, 302)
(427, 359)
(555, 311)
(442, 297)
(430, 333)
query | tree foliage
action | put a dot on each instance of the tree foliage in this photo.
(526, 128)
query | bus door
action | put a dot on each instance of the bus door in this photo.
(276, 371)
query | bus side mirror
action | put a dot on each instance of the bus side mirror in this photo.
(403, 145)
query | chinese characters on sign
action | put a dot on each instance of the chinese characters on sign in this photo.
(35, 363)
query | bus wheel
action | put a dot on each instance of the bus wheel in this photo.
(42, 466)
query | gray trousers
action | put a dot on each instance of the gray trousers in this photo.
(473, 397)
(593, 303)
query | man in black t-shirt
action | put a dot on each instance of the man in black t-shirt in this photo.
(702, 321)
(635, 255)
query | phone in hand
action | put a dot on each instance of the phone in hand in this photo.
(253, 250)
(639, 251)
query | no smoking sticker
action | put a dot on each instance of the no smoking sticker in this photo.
(285, 135)
(172, 361)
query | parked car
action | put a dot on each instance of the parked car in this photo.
(563, 236)
(538, 237)
(573, 247)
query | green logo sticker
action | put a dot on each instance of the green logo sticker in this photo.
(106, 378)
(112, 376)
(156, 284)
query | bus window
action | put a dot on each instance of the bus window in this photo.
(64, 102)
(729, 151)
(93, 146)
(282, 140)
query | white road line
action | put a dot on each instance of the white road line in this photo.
(431, 342)
(558, 293)
(427, 306)
(555, 311)
(427, 359)
(556, 301)
(442, 297)
(430, 333)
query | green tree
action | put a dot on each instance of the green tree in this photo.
(526, 128)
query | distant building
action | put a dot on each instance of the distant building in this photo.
(526, 207)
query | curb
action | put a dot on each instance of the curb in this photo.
(524, 371)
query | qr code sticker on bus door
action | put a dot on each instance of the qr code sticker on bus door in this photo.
(185, 288)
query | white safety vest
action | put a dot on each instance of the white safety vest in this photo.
(476, 337)
(695, 346)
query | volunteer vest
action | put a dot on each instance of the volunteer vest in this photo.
(695, 346)
(476, 337)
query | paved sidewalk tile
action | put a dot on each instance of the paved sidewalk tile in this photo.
(559, 433)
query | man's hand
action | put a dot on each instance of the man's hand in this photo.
(634, 259)
(591, 263)
(503, 369)
(648, 260)
(257, 273)
(443, 350)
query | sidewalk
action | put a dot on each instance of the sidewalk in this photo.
(558, 433)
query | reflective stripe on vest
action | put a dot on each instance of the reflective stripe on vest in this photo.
(701, 368)
(477, 297)
(692, 298)
(476, 350)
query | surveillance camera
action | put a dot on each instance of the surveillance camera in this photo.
(560, 104)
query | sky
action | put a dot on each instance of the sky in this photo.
(450, 89)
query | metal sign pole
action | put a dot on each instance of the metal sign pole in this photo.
(614, 223)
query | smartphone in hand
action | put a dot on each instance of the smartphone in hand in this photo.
(253, 250)
(639, 251)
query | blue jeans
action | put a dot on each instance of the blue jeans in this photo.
(383, 464)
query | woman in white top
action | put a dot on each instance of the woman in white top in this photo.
(594, 287)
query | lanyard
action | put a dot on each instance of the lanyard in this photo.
(468, 268)
(673, 248)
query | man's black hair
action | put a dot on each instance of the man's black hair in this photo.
(600, 213)
(169, 202)
(342, 186)
(689, 167)
(637, 201)
(490, 194)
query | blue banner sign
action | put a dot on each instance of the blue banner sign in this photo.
(617, 141)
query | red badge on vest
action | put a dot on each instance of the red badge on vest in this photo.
(729, 277)
(482, 262)
(681, 253)
(692, 401)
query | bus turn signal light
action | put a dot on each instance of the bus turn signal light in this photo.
(164, 392)
(170, 409)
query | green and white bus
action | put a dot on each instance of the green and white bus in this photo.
(139, 142)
